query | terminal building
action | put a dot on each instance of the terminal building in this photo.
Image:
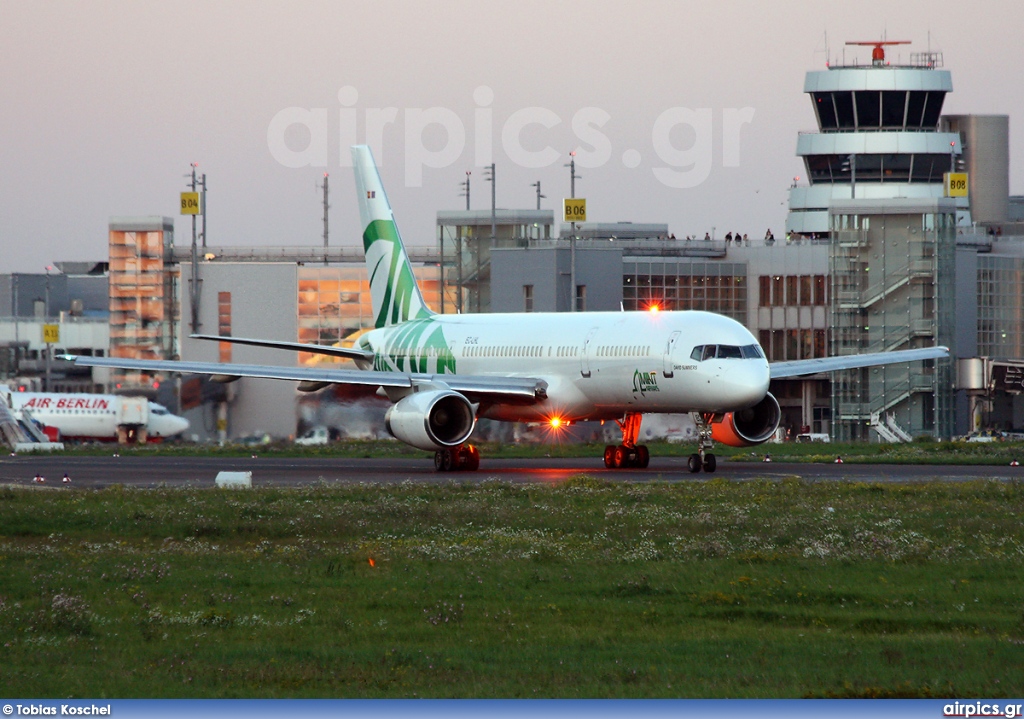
(877, 256)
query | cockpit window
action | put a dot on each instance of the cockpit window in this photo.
(706, 352)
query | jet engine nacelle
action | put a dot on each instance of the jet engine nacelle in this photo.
(746, 427)
(431, 420)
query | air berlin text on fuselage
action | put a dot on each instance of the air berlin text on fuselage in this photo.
(67, 403)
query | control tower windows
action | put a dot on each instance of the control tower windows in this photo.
(874, 109)
(869, 109)
(915, 108)
(894, 107)
(932, 109)
(929, 168)
(895, 168)
(844, 110)
(918, 167)
(826, 110)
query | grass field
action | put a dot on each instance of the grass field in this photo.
(585, 589)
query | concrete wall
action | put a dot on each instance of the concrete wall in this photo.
(92, 290)
(263, 306)
(28, 288)
(986, 142)
(548, 269)
(781, 259)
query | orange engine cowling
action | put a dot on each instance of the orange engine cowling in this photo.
(746, 427)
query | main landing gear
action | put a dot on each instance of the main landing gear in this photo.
(702, 459)
(629, 453)
(464, 458)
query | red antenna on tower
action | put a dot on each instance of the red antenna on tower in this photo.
(878, 53)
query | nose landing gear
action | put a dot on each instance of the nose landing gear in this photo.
(629, 453)
(702, 458)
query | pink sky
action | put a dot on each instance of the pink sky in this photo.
(104, 105)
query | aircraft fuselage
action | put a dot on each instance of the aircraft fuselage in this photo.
(598, 365)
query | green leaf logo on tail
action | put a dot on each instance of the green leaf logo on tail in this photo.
(394, 293)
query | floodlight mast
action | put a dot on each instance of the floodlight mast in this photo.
(572, 237)
(327, 206)
(195, 282)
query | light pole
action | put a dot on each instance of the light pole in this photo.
(489, 177)
(572, 237)
(324, 187)
(466, 186)
(539, 196)
(47, 349)
(14, 307)
(465, 189)
(194, 281)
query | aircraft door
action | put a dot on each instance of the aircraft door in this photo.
(669, 347)
(585, 352)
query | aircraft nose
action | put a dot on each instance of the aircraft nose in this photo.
(178, 425)
(748, 381)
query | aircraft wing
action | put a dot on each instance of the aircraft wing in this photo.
(506, 389)
(795, 368)
(347, 352)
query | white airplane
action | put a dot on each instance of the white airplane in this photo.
(95, 416)
(444, 372)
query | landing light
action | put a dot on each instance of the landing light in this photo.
(654, 308)
(556, 422)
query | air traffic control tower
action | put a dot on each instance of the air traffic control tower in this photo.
(876, 191)
(878, 135)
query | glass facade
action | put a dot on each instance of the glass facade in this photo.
(334, 306)
(137, 306)
(903, 167)
(1000, 307)
(465, 240)
(878, 110)
(686, 285)
(892, 289)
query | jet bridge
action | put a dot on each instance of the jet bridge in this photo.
(22, 435)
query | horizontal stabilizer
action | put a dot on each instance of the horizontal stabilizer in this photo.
(346, 352)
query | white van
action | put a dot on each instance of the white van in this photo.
(317, 435)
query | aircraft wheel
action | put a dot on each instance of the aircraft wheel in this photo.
(643, 456)
(619, 457)
(444, 460)
(710, 463)
(473, 459)
(693, 463)
(609, 456)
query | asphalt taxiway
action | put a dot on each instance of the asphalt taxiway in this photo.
(96, 472)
